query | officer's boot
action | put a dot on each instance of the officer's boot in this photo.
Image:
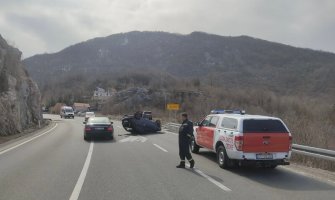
(181, 165)
(191, 163)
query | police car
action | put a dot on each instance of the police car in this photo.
(241, 139)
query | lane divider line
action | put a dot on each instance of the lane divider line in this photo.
(171, 132)
(210, 179)
(29, 140)
(159, 147)
(82, 176)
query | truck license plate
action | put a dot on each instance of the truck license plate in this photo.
(264, 156)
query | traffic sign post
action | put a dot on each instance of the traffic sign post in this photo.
(173, 107)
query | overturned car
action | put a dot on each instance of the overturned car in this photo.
(139, 123)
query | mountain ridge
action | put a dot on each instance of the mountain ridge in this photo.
(254, 61)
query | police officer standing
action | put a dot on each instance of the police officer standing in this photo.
(185, 134)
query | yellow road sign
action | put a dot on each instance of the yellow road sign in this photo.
(172, 106)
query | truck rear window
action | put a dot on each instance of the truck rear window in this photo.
(263, 126)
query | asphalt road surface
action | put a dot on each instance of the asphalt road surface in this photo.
(58, 164)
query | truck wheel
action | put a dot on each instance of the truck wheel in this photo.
(194, 147)
(222, 158)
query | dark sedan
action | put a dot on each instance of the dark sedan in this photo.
(100, 127)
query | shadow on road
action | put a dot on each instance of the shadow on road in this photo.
(141, 134)
(277, 178)
(101, 140)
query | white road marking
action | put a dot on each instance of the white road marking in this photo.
(31, 139)
(119, 126)
(159, 147)
(220, 185)
(171, 132)
(210, 179)
(81, 179)
(134, 139)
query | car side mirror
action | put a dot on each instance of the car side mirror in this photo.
(84, 122)
(111, 122)
(198, 124)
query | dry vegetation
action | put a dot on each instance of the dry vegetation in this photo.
(310, 119)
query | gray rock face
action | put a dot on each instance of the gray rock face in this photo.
(19, 95)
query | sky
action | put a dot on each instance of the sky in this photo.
(48, 26)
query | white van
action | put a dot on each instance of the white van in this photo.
(66, 112)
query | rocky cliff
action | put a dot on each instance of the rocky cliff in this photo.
(19, 94)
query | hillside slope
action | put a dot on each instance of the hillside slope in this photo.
(238, 62)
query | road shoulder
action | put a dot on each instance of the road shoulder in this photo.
(18, 138)
(315, 173)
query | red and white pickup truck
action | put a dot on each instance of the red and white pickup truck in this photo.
(240, 139)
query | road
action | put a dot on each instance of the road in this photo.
(59, 165)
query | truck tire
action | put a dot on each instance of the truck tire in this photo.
(222, 157)
(194, 147)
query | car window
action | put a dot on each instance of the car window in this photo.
(99, 120)
(214, 121)
(263, 126)
(229, 123)
(89, 114)
(206, 121)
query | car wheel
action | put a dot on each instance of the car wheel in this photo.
(222, 158)
(86, 137)
(194, 147)
(158, 123)
(109, 137)
(272, 166)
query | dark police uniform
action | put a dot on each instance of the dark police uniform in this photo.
(185, 134)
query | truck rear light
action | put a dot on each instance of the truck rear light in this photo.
(290, 143)
(110, 129)
(87, 129)
(239, 143)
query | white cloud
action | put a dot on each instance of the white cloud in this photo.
(38, 26)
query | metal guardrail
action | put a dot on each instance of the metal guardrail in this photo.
(314, 152)
(296, 148)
